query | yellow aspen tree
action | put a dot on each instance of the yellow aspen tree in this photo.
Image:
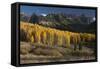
(75, 42)
(55, 38)
(43, 37)
(37, 35)
(59, 39)
(51, 38)
(67, 37)
(48, 36)
(32, 39)
(78, 38)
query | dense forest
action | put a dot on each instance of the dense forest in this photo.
(62, 21)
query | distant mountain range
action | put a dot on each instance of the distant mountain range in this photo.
(62, 21)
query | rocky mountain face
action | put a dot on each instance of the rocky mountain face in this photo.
(62, 21)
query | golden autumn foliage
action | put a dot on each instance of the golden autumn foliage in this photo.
(32, 39)
(51, 37)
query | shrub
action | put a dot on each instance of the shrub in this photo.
(23, 35)
(25, 48)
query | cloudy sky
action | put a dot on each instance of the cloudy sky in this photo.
(46, 10)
